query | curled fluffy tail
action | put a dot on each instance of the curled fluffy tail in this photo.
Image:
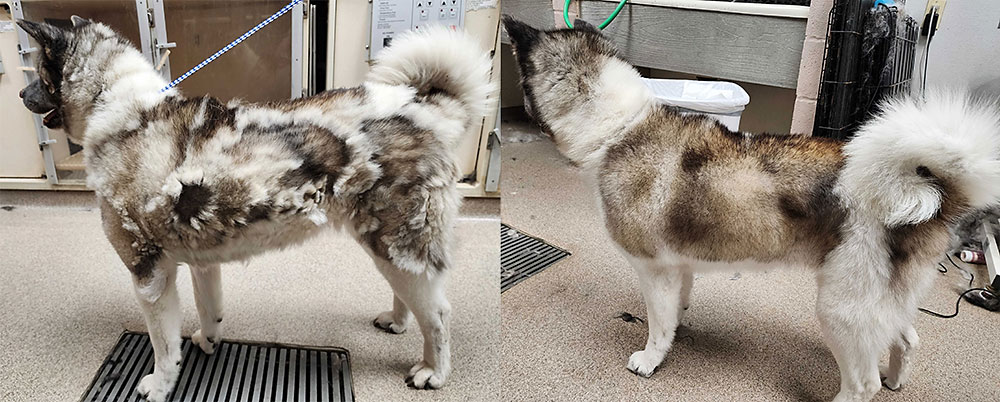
(923, 158)
(436, 60)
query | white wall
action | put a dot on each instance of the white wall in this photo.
(966, 48)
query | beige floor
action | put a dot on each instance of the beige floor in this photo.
(65, 299)
(751, 337)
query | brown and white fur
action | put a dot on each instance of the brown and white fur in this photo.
(201, 182)
(682, 194)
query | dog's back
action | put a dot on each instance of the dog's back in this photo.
(689, 184)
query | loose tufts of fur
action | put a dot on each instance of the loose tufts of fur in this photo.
(437, 60)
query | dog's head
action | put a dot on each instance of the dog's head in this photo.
(61, 93)
(44, 96)
(555, 66)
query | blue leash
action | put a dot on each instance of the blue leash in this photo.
(231, 45)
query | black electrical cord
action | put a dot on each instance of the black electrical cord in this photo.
(960, 297)
(957, 303)
(942, 269)
(930, 27)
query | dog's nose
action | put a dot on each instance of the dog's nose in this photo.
(21, 94)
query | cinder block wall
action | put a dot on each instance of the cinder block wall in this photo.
(810, 68)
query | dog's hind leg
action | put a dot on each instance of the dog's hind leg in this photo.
(898, 372)
(396, 320)
(157, 296)
(207, 283)
(858, 363)
(661, 291)
(857, 336)
(687, 282)
(424, 294)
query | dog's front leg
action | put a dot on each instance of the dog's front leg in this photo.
(661, 291)
(424, 294)
(157, 296)
(207, 283)
(898, 372)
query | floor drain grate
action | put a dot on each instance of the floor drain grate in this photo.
(522, 256)
(237, 371)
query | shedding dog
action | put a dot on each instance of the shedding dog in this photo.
(682, 193)
(201, 182)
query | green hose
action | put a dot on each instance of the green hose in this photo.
(618, 9)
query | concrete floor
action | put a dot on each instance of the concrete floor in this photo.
(65, 298)
(747, 337)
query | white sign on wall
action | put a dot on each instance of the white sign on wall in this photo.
(393, 17)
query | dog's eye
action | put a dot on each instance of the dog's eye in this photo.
(923, 171)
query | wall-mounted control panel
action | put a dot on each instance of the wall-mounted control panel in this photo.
(392, 17)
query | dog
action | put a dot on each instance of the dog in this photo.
(201, 182)
(682, 193)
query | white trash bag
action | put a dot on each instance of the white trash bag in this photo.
(721, 100)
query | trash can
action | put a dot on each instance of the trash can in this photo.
(723, 101)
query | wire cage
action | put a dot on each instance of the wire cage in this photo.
(869, 57)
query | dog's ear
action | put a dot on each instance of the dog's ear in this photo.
(581, 25)
(43, 33)
(79, 22)
(522, 35)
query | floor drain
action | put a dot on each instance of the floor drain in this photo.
(238, 371)
(522, 256)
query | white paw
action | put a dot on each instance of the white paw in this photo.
(889, 379)
(154, 388)
(643, 363)
(206, 345)
(385, 322)
(426, 377)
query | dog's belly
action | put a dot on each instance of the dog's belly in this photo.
(255, 239)
(668, 257)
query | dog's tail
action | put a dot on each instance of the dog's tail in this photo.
(919, 159)
(436, 60)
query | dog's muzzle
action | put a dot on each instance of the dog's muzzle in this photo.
(40, 101)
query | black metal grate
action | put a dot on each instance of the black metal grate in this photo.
(522, 256)
(869, 57)
(237, 371)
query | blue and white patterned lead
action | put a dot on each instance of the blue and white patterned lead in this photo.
(231, 45)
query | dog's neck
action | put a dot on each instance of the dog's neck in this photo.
(128, 87)
(592, 117)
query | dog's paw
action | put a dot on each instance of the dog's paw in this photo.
(384, 322)
(890, 380)
(643, 363)
(206, 345)
(153, 388)
(423, 376)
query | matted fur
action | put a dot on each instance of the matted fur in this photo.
(683, 193)
(198, 181)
